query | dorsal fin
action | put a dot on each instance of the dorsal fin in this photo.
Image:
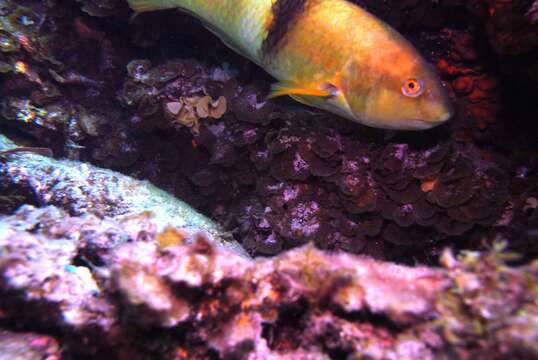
(140, 6)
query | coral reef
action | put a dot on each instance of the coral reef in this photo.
(28, 346)
(124, 289)
(97, 105)
(84, 189)
(276, 174)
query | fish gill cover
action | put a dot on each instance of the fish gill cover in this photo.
(98, 264)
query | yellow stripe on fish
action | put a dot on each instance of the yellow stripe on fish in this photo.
(329, 54)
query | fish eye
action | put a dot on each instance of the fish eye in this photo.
(412, 88)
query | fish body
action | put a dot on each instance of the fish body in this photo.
(330, 54)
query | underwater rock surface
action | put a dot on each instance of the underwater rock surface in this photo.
(123, 289)
(28, 346)
(84, 189)
(149, 122)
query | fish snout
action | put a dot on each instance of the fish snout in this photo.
(437, 108)
(446, 112)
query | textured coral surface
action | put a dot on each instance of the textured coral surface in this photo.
(112, 288)
(172, 105)
(100, 262)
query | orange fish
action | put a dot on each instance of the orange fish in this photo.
(330, 54)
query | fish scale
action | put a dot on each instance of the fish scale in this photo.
(329, 54)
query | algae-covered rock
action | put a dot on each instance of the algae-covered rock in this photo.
(28, 346)
(85, 189)
(120, 286)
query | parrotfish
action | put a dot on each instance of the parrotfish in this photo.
(329, 54)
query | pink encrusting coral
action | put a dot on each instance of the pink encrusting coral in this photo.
(29, 346)
(177, 295)
(338, 294)
(203, 286)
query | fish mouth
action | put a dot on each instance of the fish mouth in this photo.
(407, 125)
(445, 114)
(444, 117)
(422, 124)
(447, 109)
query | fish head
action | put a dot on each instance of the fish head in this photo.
(396, 89)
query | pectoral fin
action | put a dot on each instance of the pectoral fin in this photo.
(283, 89)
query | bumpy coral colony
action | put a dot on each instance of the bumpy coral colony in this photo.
(299, 234)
